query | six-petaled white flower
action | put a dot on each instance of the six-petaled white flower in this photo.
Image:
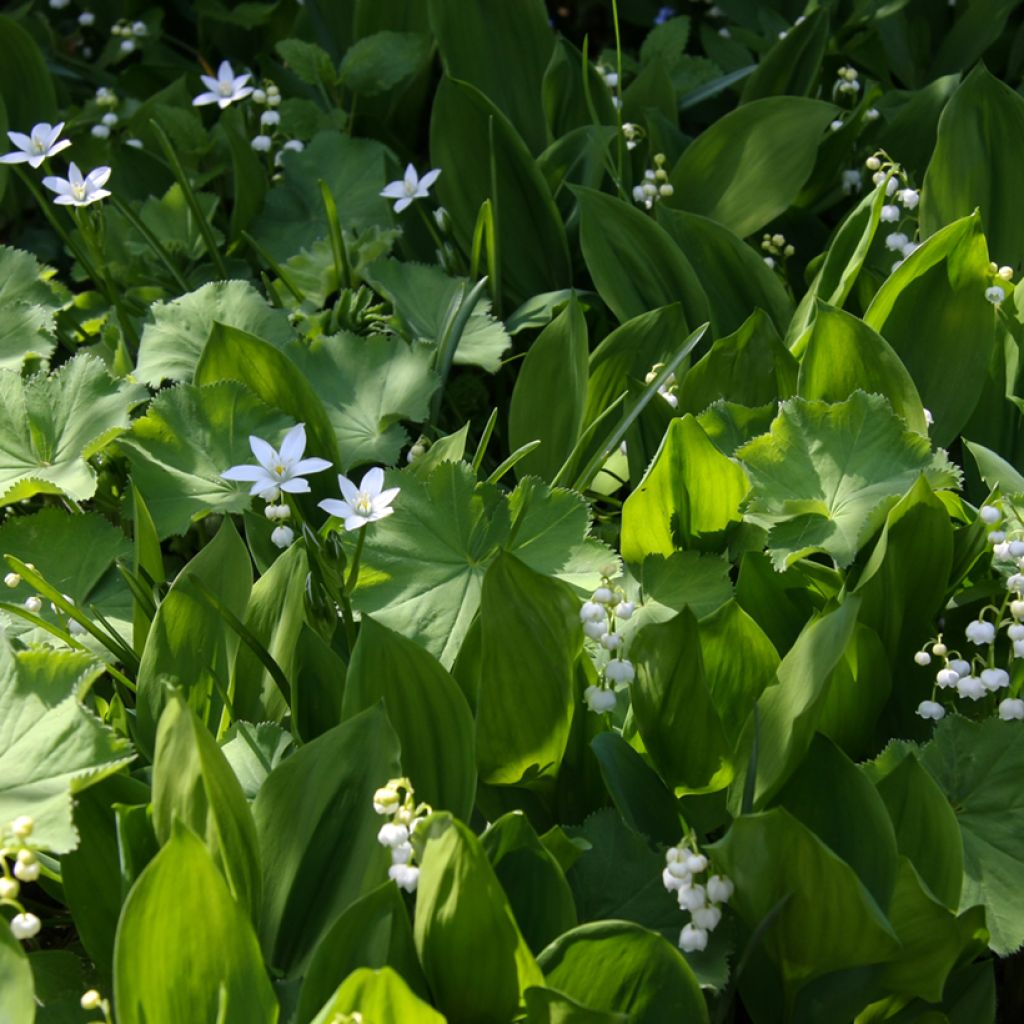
(75, 190)
(363, 504)
(225, 89)
(39, 145)
(410, 187)
(283, 470)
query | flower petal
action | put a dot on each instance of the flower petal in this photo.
(349, 491)
(62, 145)
(204, 99)
(58, 185)
(21, 141)
(333, 507)
(247, 473)
(411, 177)
(311, 465)
(380, 513)
(429, 178)
(355, 522)
(294, 444)
(266, 456)
(295, 485)
(210, 82)
(54, 134)
(393, 190)
(74, 174)
(402, 203)
(98, 177)
(17, 157)
(372, 482)
(225, 73)
(68, 200)
(386, 497)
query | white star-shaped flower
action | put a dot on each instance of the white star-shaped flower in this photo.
(283, 470)
(225, 89)
(74, 190)
(40, 144)
(411, 187)
(363, 504)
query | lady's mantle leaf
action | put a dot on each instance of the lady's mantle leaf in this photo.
(825, 476)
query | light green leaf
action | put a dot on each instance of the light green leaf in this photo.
(187, 438)
(380, 996)
(51, 746)
(174, 338)
(256, 754)
(27, 306)
(425, 298)
(205, 972)
(51, 425)
(307, 61)
(826, 476)
(17, 998)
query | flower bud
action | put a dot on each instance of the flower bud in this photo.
(261, 143)
(720, 889)
(611, 641)
(692, 897)
(930, 709)
(12, 580)
(624, 609)
(1016, 631)
(946, 677)
(923, 658)
(33, 604)
(1017, 609)
(693, 939)
(1011, 708)
(872, 163)
(599, 700)
(940, 650)
(1017, 548)
(592, 612)
(25, 926)
(386, 800)
(674, 882)
(707, 917)
(91, 1000)
(595, 630)
(602, 595)
(996, 537)
(990, 514)
(620, 670)
(22, 826)
(9, 888)
(392, 835)
(405, 876)
(1005, 273)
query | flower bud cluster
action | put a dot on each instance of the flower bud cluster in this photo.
(14, 846)
(701, 899)
(129, 32)
(655, 185)
(775, 245)
(396, 800)
(667, 389)
(600, 617)
(996, 292)
(847, 82)
(633, 134)
(898, 211)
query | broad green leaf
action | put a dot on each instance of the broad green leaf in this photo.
(978, 26)
(187, 438)
(177, 331)
(368, 385)
(188, 643)
(51, 746)
(532, 879)
(734, 277)
(666, 41)
(977, 765)
(382, 61)
(530, 640)
(193, 784)
(381, 996)
(425, 298)
(27, 307)
(232, 354)
(686, 579)
(687, 498)
(545, 1006)
(307, 61)
(841, 354)
(747, 168)
(50, 426)
(793, 65)
(208, 967)
(254, 751)
(425, 706)
(317, 834)
(375, 931)
(635, 264)
(772, 857)
(481, 44)
(469, 138)
(549, 393)
(26, 86)
(17, 991)
(933, 312)
(908, 132)
(675, 714)
(995, 470)
(462, 918)
(751, 367)
(825, 477)
(978, 143)
(926, 827)
(619, 966)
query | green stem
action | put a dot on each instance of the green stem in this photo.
(341, 263)
(154, 243)
(431, 226)
(618, 85)
(353, 572)
(274, 266)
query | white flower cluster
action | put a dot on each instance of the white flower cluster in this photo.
(995, 293)
(34, 603)
(667, 390)
(655, 185)
(775, 246)
(633, 134)
(271, 138)
(702, 900)
(14, 845)
(130, 33)
(600, 615)
(847, 82)
(397, 801)
(898, 212)
(976, 679)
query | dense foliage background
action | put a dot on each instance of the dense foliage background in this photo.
(671, 668)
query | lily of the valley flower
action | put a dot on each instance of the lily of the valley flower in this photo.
(225, 89)
(411, 187)
(363, 504)
(76, 190)
(283, 470)
(40, 144)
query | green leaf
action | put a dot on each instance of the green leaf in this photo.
(635, 264)
(463, 917)
(425, 706)
(550, 389)
(368, 385)
(481, 44)
(619, 966)
(826, 476)
(687, 498)
(254, 751)
(193, 784)
(469, 138)
(373, 932)
(793, 65)
(686, 579)
(926, 309)
(17, 990)
(841, 354)
(26, 87)
(307, 61)
(27, 307)
(976, 764)
(384, 60)
(749, 166)
(187, 438)
(174, 338)
(51, 746)
(425, 298)
(317, 833)
(380, 996)
(51, 425)
(772, 857)
(530, 640)
(545, 1006)
(210, 966)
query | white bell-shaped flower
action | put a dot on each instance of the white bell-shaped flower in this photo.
(693, 939)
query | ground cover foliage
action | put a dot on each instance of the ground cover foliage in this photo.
(511, 512)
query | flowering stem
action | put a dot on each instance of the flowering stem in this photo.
(154, 243)
(618, 86)
(431, 227)
(353, 572)
(341, 264)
